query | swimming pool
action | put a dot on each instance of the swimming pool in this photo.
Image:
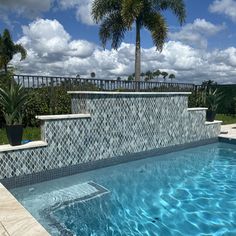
(183, 193)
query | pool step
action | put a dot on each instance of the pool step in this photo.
(76, 193)
(79, 192)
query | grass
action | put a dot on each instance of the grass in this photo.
(30, 133)
(227, 119)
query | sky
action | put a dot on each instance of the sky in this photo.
(61, 39)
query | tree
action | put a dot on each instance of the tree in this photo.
(156, 74)
(118, 16)
(130, 78)
(142, 75)
(8, 49)
(149, 75)
(171, 77)
(164, 74)
(93, 75)
(118, 78)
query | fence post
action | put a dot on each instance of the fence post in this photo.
(51, 98)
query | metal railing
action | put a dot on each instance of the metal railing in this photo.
(70, 83)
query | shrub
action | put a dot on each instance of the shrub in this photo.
(47, 100)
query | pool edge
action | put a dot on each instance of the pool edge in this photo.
(39, 177)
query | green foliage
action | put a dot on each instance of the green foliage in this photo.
(213, 99)
(171, 76)
(8, 49)
(13, 99)
(228, 104)
(48, 100)
(164, 74)
(130, 78)
(150, 75)
(93, 75)
(227, 96)
(5, 79)
(117, 17)
(227, 119)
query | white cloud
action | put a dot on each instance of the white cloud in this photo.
(225, 7)
(51, 51)
(33, 9)
(26, 8)
(82, 8)
(196, 34)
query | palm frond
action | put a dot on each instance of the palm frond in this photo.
(18, 48)
(176, 6)
(101, 9)
(156, 24)
(112, 28)
(13, 100)
(131, 11)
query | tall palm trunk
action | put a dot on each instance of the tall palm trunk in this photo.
(5, 68)
(137, 56)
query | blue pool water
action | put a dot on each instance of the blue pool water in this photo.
(191, 192)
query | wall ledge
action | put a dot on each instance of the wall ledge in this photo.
(130, 93)
(64, 117)
(30, 145)
(213, 122)
(198, 109)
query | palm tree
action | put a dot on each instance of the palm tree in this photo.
(171, 77)
(130, 78)
(93, 75)
(164, 74)
(8, 49)
(142, 75)
(156, 74)
(149, 75)
(118, 16)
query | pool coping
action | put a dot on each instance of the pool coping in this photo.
(15, 220)
(129, 93)
(29, 145)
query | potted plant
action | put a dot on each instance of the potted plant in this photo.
(212, 100)
(12, 100)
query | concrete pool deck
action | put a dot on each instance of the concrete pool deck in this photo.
(228, 131)
(15, 220)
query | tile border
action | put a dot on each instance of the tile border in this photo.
(227, 140)
(24, 180)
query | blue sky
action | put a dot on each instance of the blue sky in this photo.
(61, 39)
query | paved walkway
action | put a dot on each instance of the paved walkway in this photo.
(15, 220)
(228, 131)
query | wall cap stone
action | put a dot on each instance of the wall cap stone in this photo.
(64, 117)
(197, 109)
(130, 93)
(33, 144)
(213, 122)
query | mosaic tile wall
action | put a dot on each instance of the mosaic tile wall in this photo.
(119, 125)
